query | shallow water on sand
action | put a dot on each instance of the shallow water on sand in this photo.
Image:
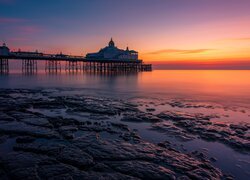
(224, 94)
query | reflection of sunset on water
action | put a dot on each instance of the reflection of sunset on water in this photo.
(210, 82)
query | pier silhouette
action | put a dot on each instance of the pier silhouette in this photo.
(126, 61)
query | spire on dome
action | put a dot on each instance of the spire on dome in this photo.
(111, 43)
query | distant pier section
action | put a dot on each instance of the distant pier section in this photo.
(109, 58)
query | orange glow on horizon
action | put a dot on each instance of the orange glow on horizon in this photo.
(211, 42)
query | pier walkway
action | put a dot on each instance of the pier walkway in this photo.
(71, 63)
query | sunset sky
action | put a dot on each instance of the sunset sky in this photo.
(170, 33)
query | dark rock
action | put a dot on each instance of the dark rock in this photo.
(238, 126)
(3, 138)
(143, 170)
(48, 171)
(140, 117)
(46, 148)
(5, 117)
(43, 122)
(20, 160)
(67, 135)
(25, 139)
(165, 144)
(24, 129)
(150, 109)
(100, 167)
(120, 126)
(97, 146)
(75, 157)
(29, 173)
(178, 115)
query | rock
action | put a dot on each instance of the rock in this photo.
(220, 124)
(150, 109)
(67, 135)
(96, 146)
(210, 136)
(5, 117)
(169, 129)
(51, 148)
(140, 117)
(178, 115)
(238, 126)
(3, 138)
(97, 108)
(100, 167)
(59, 121)
(130, 136)
(3, 175)
(75, 157)
(24, 129)
(20, 115)
(101, 176)
(142, 170)
(25, 139)
(165, 144)
(37, 121)
(48, 104)
(29, 173)
(20, 160)
(47, 171)
(120, 126)
(68, 131)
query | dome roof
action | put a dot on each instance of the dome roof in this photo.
(4, 46)
(111, 43)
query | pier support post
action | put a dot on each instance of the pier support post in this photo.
(29, 66)
(98, 66)
(4, 66)
(52, 66)
(73, 66)
(84, 66)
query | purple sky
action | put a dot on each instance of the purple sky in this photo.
(170, 31)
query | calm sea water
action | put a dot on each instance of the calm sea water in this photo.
(223, 86)
(227, 88)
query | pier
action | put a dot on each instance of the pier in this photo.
(107, 59)
(72, 64)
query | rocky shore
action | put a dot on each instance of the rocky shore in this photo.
(44, 135)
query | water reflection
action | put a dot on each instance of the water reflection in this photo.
(207, 85)
(226, 86)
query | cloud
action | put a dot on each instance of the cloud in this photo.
(18, 39)
(20, 25)
(29, 29)
(179, 51)
(205, 65)
(238, 39)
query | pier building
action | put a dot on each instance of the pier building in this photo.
(4, 50)
(114, 53)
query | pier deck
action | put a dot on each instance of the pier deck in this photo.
(72, 63)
